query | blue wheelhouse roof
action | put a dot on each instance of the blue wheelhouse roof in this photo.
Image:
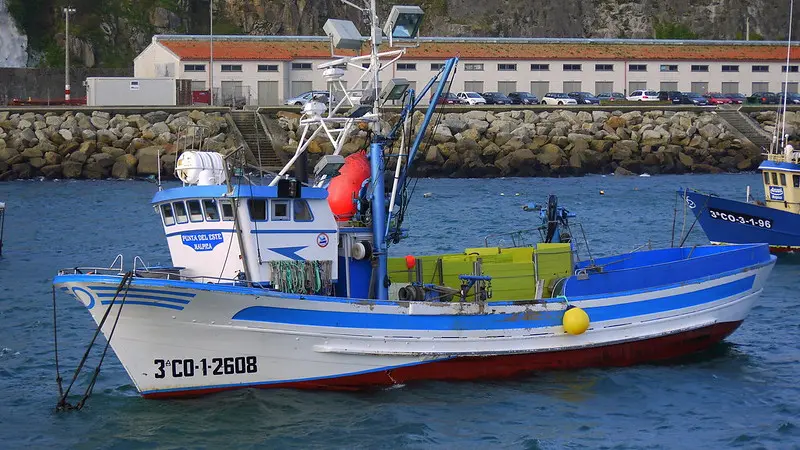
(220, 191)
(775, 165)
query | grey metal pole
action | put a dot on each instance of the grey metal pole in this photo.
(211, 54)
(67, 11)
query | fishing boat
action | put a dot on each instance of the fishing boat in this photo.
(776, 219)
(290, 284)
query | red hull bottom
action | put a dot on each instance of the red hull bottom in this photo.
(506, 366)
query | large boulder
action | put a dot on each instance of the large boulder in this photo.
(124, 167)
(72, 169)
(148, 158)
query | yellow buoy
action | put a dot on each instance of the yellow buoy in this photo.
(575, 320)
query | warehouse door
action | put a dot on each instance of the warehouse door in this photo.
(603, 86)
(730, 87)
(540, 88)
(507, 87)
(300, 87)
(268, 93)
(700, 87)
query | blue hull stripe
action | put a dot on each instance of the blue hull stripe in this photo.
(488, 321)
(140, 303)
(146, 291)
(143, 297)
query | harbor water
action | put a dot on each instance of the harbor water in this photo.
(742, 393)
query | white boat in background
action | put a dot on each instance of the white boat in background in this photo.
(290, 284)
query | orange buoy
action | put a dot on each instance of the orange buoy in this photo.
(410, 262)
(344, 187)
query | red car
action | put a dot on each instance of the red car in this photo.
(449, 99)
(715, 98)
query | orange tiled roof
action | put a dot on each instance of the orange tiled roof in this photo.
(286, 50)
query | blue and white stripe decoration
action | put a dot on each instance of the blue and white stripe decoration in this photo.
(144, 297)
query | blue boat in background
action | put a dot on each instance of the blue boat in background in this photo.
(775, 221)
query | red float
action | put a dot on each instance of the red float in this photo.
(343, 189)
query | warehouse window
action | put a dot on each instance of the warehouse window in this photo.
(637, 68)
(699, 68)
(301, 66)
(572, 67)
(194, 68)
(437, 66)
(730, 68)
(603, 67)
(267, 67)
(760, 68)
(231, 67)
(406, 66)
(473, 67)
(506, 67)
(540, 67)
(792, 69)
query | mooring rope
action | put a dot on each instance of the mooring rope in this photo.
(62, 404)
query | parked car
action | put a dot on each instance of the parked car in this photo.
(643, 95)
(449, 99)
(523, 98)
(471, 98)
(305, 97)
(495, 98)
(558, 98)
(792, 98)
(690, 98)
(584, 98)
(736, 98)
(769, 98)
(668, 96)
(715, 98)
(611, 96)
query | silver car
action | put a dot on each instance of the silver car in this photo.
(305, 97)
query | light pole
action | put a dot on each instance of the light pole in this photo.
(211, 53)
(67, 11)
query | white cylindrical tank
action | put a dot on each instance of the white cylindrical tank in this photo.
(201, 168)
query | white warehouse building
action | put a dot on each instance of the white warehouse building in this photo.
(268, 70)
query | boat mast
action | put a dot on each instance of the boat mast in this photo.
(782, 126)
(378, 198)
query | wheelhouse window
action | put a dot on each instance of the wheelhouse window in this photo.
(774, 178)
(796, 180)
(766, 177)
(211, 210)
(280, 210)
(258, 209)
(169, 218)
(227, 209)
(302, 212)
(783, 179)
(195, 211)
(180, 212)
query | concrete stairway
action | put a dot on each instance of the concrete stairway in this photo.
(747, 126)
(256, 139)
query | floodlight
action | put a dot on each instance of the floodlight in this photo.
(403, 22)
(343, 34)
(329, 165)
(394, 89)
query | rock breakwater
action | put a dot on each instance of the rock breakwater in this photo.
(98, 145)
(568, 142)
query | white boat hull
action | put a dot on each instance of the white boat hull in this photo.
(182, 338)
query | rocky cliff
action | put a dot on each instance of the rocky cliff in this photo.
(110, 36)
